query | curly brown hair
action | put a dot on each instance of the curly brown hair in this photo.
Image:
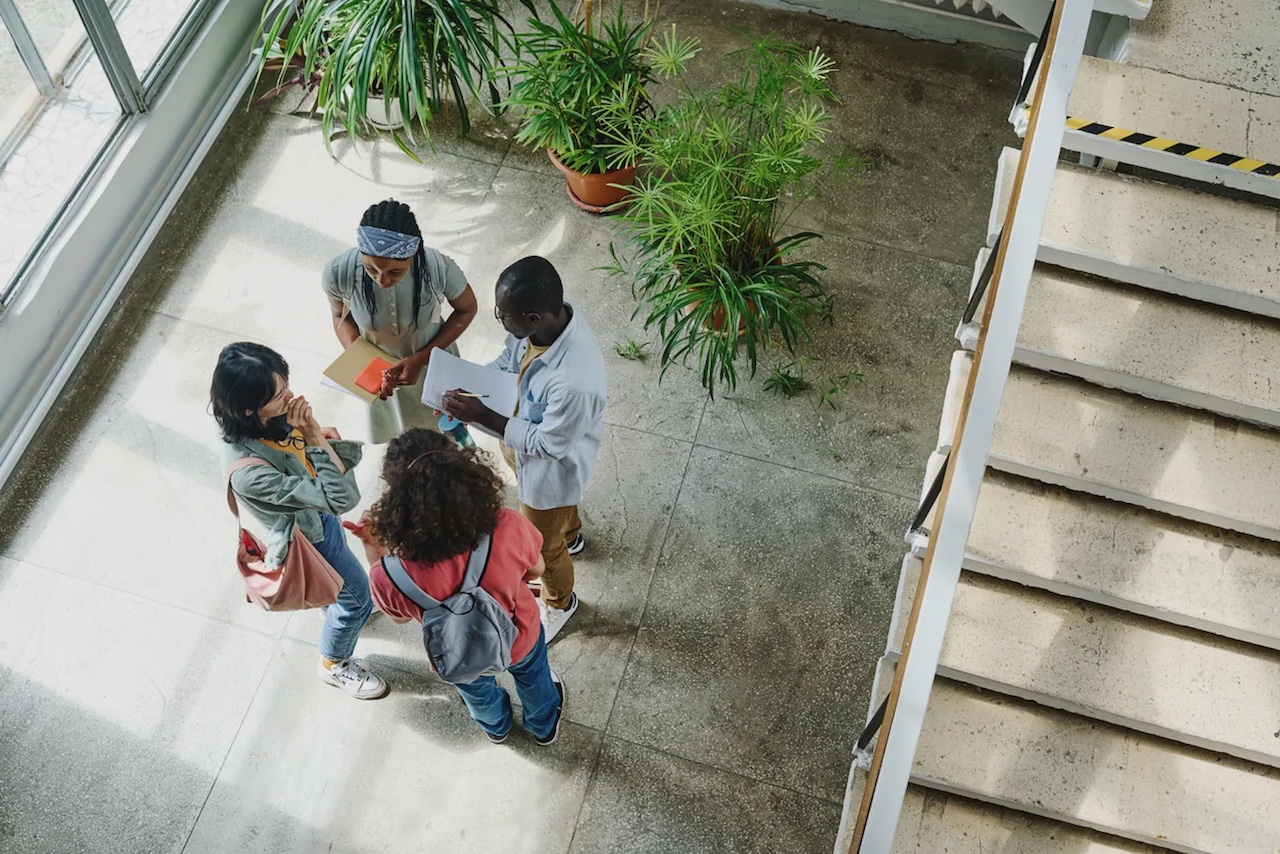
(437, 501)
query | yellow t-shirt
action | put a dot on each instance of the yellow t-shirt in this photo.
(293, 445)
(531, 352)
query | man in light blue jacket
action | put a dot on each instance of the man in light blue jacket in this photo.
(552, 439)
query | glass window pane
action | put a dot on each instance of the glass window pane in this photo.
(55, 26)
(46, 150)
(14, 81)
(147, 25)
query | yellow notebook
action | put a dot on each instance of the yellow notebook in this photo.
(344, 371)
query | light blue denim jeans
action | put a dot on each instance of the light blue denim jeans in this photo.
(490, 706)
(344, 619)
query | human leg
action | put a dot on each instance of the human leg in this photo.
(554, 524)
(489, 705)
(542, 701)
(344, 619)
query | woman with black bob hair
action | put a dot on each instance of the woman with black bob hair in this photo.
(307, 482)
(438, 502)
(390, 289)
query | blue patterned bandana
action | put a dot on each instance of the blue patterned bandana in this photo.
(381, 243)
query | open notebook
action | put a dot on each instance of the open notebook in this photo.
(445, 372)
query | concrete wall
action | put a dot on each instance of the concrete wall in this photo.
(79, 275)
(925, 21)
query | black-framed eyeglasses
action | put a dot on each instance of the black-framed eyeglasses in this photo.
(502, 318)
(294, 440)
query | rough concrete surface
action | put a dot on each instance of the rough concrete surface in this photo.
(742, 555)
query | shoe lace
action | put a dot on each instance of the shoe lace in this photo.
(351, 670)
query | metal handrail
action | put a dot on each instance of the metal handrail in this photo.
(930, 497)
(975, 298)
(904, 707)
(1037, 56)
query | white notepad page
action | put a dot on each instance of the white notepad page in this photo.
(445, 372)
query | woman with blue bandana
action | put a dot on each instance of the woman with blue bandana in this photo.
(390, 289)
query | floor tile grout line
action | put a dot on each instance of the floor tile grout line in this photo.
(856, 484)
(179, 608)
(230, 746)
(214, 328)
(722, 770)
(675, 504)
(586, 793)
(880, 244)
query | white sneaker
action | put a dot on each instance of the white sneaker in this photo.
(354, 678)
(553, 619)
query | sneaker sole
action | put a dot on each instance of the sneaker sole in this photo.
(493, 739)
(578, 549)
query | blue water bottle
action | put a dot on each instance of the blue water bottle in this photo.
(456, 429)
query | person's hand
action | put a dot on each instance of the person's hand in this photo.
(463, 406)
(330, 433)
(374, 551)
(298, 415)
(404, 372)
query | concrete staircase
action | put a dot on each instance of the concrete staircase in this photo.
(1110, 675)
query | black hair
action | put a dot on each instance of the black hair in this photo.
(532, 284)
(244, 381)
(396, 216)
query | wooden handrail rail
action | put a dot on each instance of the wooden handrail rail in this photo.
(1079, 11)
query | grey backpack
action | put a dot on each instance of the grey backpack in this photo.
(468, 635)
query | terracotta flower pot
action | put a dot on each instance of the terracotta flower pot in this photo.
(590, 190)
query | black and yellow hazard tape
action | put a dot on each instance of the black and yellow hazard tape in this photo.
(1169, 146)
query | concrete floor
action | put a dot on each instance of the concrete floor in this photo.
(743, 553)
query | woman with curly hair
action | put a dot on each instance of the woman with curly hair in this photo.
(438, 502)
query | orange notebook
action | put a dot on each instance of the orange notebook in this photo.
(370, 379)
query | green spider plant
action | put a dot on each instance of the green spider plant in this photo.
(703, 238)
(419, 52)
(563, 74)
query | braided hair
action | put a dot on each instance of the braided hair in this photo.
(396, 216)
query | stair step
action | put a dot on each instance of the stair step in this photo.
(1068, 768)
(1132, 671)
(1156, 236)
(1228, 41)
(934, 821)
(1169, 569)
(1211, 116)
(1159, 346)
(1126, 557)
(1163, 457)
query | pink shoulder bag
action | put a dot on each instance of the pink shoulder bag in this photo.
(305, 580)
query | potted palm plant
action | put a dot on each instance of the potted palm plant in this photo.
(705, 238)
(563, 75)
(389, 62)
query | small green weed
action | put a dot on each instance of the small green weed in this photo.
(787, 380)
(837, 385)
(631, 351)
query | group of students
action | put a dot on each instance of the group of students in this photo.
(439, 501)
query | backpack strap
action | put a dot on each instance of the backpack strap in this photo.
(243, 462)
(408, 589)
(477, 562)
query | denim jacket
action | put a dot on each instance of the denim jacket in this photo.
(284, 493)
(556, 435)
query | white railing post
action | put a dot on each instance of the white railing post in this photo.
(900, 733)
